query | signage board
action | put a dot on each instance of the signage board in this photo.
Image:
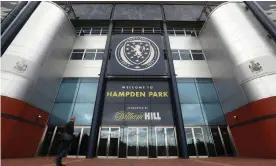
(137, 103)
(136, 55)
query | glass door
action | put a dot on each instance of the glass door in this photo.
(84, 142)
(55, 143)
(132, 142)
(47, 140)
(166, 142)
(161, 142)
(143, 142)
(172, 143)
(108, 143)
(75, 142)
(196, 142)
(222, 140)
(103, 142)
(113, 142)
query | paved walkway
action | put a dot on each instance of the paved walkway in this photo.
(142, 162)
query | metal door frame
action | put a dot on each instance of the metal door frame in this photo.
(52, 140)
(138, 142)
(166, 141)
(195, 145)
(79, 143)
(127, 156)
(118, 143)
(108, 141)
(176, 143)
(83, 127)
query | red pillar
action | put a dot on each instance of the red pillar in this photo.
(253, 127)
(21, 129)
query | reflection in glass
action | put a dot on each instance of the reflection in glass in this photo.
(192, 115)
(60, 113)
(75, 142)
(227, 141)
(83, 113)
(132, 142)
(113, 144)
(123, 142)
(206, 90)
(67, 91)
(209, 141)
(152, 143)
(87, 92)
(190, 142)
(172, 149)
(218, 142)
(142, 142)
(102, 148)
(84, 142)
(56, 143)
(43, 150)
(201, 149)
(187, 92)
(161, 144)
(213, 114)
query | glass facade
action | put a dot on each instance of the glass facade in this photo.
(199, 102)
(76, 97)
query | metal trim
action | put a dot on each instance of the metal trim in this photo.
(21, 120)
(52, 140)
(79, 144)
(221, 138)
(41, 140)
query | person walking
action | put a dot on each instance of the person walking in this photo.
(66, 141)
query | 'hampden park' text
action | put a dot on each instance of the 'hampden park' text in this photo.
(136, 94)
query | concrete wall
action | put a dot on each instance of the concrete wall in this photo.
(233, 41)
(34, 63)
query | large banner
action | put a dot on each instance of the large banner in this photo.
(137, 55)
(137, 103)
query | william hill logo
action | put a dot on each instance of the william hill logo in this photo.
(121, 115)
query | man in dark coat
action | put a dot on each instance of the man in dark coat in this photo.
(66, 141)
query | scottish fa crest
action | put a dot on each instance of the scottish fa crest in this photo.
(255, 67)
(137, 53)
(20, 66)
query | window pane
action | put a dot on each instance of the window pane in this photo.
(198, 57)
(170, 32)
(196, 51)
(100, 50)
(137, 30)
(185, 56)
(99, 56)
(213, 114)
(192, 114)
(61, 113)
(89, 80)
(67, 92)
(83, 113)
(175, 56)
(76, 56)
(78, 50)
(87, 93)
(180, 32)
(90, 50)
(207, 92)
(105, 31)
(89, 56)
(187, 92)
(96, 31)
(188, 32)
